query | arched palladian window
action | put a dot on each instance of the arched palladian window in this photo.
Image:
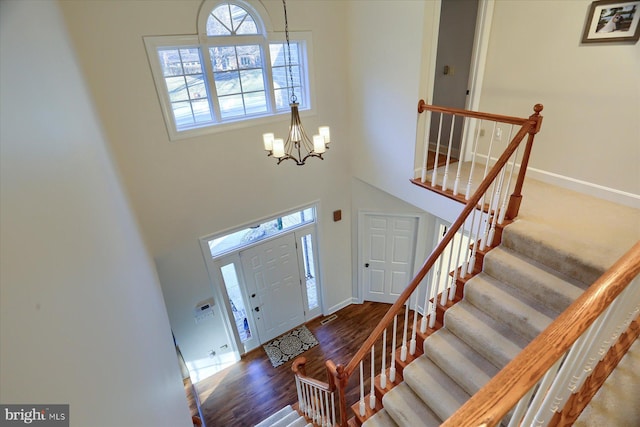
(235, 69)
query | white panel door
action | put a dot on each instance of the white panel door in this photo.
(388, 248)
(274, 285)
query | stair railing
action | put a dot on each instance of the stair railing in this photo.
(422, 298)
(542, 383)
(316, 399)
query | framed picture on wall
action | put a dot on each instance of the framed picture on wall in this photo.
(612, 21)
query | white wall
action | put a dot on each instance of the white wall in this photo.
(368, 199)
(181, 191)
(389, 49)
(82, 318)
(591, 93)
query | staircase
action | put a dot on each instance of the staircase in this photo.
(285, 417)
(559, 246)
(509, 303)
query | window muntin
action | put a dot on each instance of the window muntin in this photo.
(185, 83)
(247, 236)
(240, 74)
(239, 78)
(230, 20)
(280, 73)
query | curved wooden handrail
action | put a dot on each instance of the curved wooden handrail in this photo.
(492, 402)
(530, 126)
(298, 368)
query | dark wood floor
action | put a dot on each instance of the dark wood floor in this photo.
(251, 390)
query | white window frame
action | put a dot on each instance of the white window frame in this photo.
(202, 42)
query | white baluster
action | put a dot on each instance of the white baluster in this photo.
(446, 168)
(300, 400)
(383, 370)
(414, 329)
(427, 127)
(521, 407)
(392, 367)
(434, 173)
(425, 307)
(362, 405)
(403, 349)
(487, 223)
(318, 406)
(445, 291)
(494, 218)
(433, 298)
(473, 161)
(468, 250)
(305, 396)
(458, 265)
(461, 154)
(328, 418)
(312, 406)
(540, 393)
(514, 159)
(372, 393)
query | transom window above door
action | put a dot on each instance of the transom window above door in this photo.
(232, 71)
(247, 236)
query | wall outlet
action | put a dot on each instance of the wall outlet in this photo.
(499, 134)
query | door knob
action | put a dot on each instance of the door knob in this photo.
(253, 295)
(366, 265)
(257, 309)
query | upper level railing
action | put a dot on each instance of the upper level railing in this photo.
(435, 282)
(539, 381)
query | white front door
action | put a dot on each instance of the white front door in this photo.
(388, 249)
(274, 286)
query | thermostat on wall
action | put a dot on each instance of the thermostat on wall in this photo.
(203, 310)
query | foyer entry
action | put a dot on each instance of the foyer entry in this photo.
(274, 285)
(265, 275)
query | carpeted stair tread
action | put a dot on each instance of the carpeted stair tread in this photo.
(553, 289)
(525, 315)
(549, 246)
(288, 419)
(407, 409)
(267, 422)
(462, 363)
(495, 341)
(432, 385)
(299, 422)
(380, 419)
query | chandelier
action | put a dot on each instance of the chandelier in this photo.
(298, 146)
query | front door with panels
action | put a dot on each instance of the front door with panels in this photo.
(274, 286)
(388, 250)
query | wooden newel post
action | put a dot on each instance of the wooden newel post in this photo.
(516, 197)
(340, 380)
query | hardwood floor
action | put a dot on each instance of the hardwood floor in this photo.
(251, 390)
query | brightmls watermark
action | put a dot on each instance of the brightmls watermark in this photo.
(34, 415)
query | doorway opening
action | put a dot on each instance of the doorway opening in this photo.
(266, 276)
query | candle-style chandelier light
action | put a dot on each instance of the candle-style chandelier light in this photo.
(298, 146)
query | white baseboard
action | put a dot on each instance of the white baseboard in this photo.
(585, 187)
(600, 191)
(341, 305)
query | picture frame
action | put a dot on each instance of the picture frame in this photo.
(612, 21)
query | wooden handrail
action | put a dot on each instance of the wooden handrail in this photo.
(530, 126)
(493, 401)
(298, 368)
(423, 106)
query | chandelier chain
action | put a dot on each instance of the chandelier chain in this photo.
(293, 97)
